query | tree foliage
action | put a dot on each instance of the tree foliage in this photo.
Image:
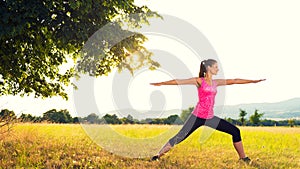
(242, 115)
(256, 117)
(112, 119)
(7, 119)
(291, 122)
(173, 119)
(92, 119)
(127, 120)
(38, 37)
(54, 116)
(29, 118)
(186, 113)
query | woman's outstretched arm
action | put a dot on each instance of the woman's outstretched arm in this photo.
(190, 81)
(222, 82)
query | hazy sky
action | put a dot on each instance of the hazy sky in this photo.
(253, 40)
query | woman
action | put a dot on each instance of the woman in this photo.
(203, 113)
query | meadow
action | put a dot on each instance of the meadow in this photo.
(130, 146)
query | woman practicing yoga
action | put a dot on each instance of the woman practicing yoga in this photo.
(203, 113)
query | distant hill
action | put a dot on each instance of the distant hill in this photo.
(279, 110)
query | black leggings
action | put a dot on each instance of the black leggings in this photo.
(194, 122)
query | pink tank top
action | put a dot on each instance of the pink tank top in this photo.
(205, 106)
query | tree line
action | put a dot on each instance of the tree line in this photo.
(63, 116)
(256, 120)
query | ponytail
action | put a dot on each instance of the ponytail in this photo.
(202, 69)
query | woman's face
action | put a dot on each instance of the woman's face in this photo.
(213, 69)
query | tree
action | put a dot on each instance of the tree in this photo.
(151, 121)
(112, 119)
(7, 119)
(267, 122)
(26, 118)
(157, 121)
(50, 116)
(62, 116)
(173, 119)
(76, 120)
(92, 118)
(243, 113)
(255, 118)
(186, 113)
(37, 119)
(291, 122)
(230, 120)
(129, 117)
(127, 120)
(233, 121)
(38, 37)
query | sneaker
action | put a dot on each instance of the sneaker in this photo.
(155, 158)
(245, 159)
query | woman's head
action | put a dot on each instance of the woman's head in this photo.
(209, 65)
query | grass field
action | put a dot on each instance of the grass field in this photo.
(68, 146)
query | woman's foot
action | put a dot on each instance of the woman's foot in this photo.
(245, 159)
(155, 158)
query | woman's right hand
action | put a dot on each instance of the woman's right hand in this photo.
(156, 84)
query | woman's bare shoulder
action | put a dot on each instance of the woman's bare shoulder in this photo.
(199, 81)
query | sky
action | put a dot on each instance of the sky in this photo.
(252, 39)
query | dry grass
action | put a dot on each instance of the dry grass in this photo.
(68, 146)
